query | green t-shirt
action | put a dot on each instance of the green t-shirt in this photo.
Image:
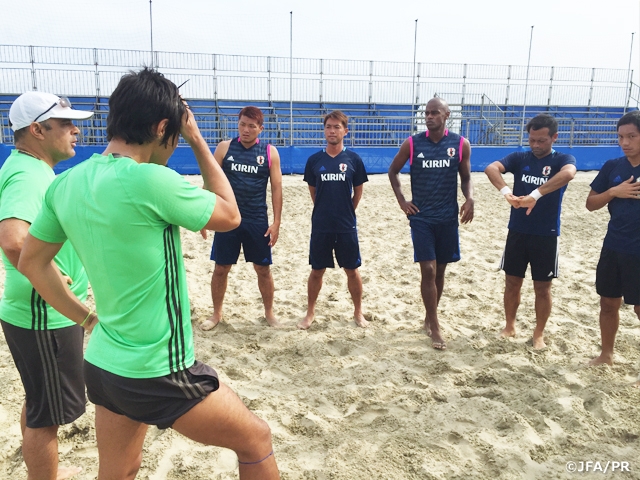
(121, 217)
(23, 183)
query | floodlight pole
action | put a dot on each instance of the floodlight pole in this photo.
(413, 79)
(629, 79)
(291, 78)
(526, 86)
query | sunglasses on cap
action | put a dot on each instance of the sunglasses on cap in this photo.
(63, 102)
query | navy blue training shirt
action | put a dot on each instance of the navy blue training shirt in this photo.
(623, 232)
(529, 173)
(434, 176)
(334, 179)
(248, 172)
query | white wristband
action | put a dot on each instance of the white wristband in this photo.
(535, 194)
(505, 190)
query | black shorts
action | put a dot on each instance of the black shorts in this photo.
(322, 246)
(156, 401)
(250, 235)
(618, 275)
(50, 366)
(539, 251)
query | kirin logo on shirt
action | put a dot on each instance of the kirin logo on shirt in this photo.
(451, 152)
(343, 167)
(546, 171)
(260, 160)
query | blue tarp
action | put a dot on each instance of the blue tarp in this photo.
(376, 159)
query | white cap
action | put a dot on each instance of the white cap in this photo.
(41, 106)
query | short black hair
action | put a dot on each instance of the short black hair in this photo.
(543, 121)
(139, 102)
(631, 118)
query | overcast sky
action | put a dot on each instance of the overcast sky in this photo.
(584, 33)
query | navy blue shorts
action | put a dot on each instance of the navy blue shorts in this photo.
(435, 242)
(250, 235)
(158, 401)
(345, 245)
(618, 275)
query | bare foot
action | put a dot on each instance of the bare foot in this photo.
(507, 332)
(427, 328)
(637, 384)
(361, 321)
(67, 472)
(601, 360)
(437, 341)
(210, 322)
(538, 342)
(273, 321)
(306, 323)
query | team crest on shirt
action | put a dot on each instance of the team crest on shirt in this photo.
(546, 171)
(451, 152)
(260, 160)
(343, 167)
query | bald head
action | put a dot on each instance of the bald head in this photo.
(436, 114)
(437, 103)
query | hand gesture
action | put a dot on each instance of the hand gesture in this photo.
(92, 321)
(527, 202)
(188, 127)
(408, 207)
(466, 211)
(627, 189)
(273, 231)
(513, 200)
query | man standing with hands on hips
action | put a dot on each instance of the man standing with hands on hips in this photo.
(436, 158)
(45, 345)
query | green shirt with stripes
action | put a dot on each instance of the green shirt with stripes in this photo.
(123, 219)
(23, 183)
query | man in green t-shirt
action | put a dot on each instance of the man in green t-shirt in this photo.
(46, 346)
(122, 211)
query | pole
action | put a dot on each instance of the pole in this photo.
(526, 86)
(629, 79)
(151, 25)
(291, 78)
(413, 78)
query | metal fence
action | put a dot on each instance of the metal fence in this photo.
(95, 72)
(385, 99)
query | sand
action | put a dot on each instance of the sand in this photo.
(380, 403)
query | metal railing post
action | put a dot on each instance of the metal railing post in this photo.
(269, 79)
(321, 81)
(464, 82)
(34, 85)
(506, 98)
(571, 132)
(593, 76)
(370, 82)
(550, 87)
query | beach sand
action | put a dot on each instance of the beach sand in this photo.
(380, 403)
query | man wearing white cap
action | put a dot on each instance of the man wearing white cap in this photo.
(46, 346)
